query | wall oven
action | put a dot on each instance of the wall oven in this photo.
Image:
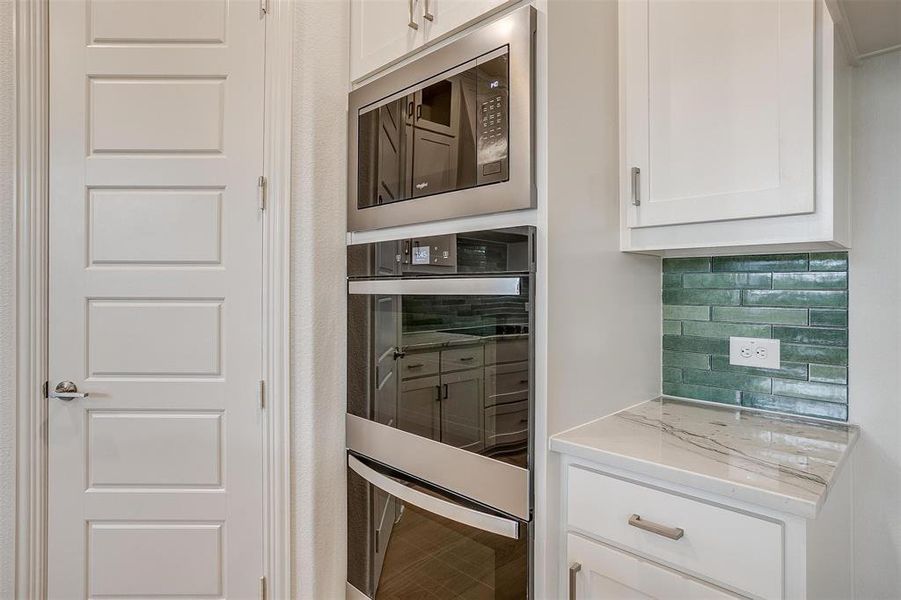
(439, 402)
(408, 539)
(448, 135)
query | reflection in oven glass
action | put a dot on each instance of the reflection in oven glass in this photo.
(432, 557)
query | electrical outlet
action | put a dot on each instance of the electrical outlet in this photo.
(754, 352)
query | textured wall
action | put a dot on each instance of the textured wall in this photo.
(7, 305)
(317, 296)
(799, 299)
(875, 326)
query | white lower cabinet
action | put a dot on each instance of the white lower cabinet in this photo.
(600, 572)
(630, 536)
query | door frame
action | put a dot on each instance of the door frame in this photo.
(31, 285)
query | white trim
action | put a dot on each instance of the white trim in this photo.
(31, 285)
(840, 20)
(32, 203)
(276, 298)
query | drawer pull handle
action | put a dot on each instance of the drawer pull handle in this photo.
(673, 533)
(574, 569)
(416, 366)
(523, 381)
(467, 358)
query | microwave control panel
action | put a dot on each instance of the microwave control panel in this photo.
(492, 128)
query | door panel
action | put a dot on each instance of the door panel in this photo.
(724, 134)
(419, 407)
(434, 163)
(605, 572)
(155, 288)
(461, 409)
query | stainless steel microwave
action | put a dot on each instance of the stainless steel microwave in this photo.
(448, 135)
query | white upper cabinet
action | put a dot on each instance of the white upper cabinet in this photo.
(385, 31)
(726, 106)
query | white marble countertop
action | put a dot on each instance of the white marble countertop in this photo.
(777, 461)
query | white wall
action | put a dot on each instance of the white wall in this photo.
(7, 303)
(603, 306)
(321, 74)
(875, 326)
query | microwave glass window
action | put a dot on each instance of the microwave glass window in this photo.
(450, 134)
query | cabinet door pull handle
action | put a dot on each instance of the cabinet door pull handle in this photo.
(673, 533)
(427, 15)
(445, 391)
(418, 111)
(574, 569)
(412, 24)
(636, 186)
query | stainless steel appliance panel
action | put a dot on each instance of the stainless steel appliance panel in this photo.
(449, 135)
(407, 538)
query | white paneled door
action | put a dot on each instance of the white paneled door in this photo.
(155, 484)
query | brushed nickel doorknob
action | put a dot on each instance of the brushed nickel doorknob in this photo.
(66, 390)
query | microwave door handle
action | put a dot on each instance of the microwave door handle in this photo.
(455, 286)
(444, 508)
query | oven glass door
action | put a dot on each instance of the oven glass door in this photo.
(450, 133)
(447, 359)
(408, 540)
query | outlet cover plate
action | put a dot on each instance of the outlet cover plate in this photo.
(763, 353)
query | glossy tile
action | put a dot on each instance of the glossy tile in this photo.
(827, 317)
(815, 354)
(705, 297)
(727, 280)
(810, 390)
(808, 298)
(829, 374)
(810, 281)
(699, 392)
(773, 263)
(725, 330)
(685, 265)
(672, 375)
(730, 381)
(787, 370)
(829, 261)
(760, 314)
(686, 313)
(800, 299)
(691, 360)
(672, 328)
(813, 336)
(811, 408)
(672, 280)
(695, 344)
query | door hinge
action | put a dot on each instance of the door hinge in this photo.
(264, 8)
(45, 389)
(262, 394)
(263, 590)
(263, 185)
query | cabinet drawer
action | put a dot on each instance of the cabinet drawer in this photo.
(462, 358)
(506, 383)
(732, 548)
(507, 351)
(506, 424)
(416, 365)
(606, 573)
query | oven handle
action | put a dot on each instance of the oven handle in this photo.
(451, 286)
(450, 510)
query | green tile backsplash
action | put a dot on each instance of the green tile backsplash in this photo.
(799, 299)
